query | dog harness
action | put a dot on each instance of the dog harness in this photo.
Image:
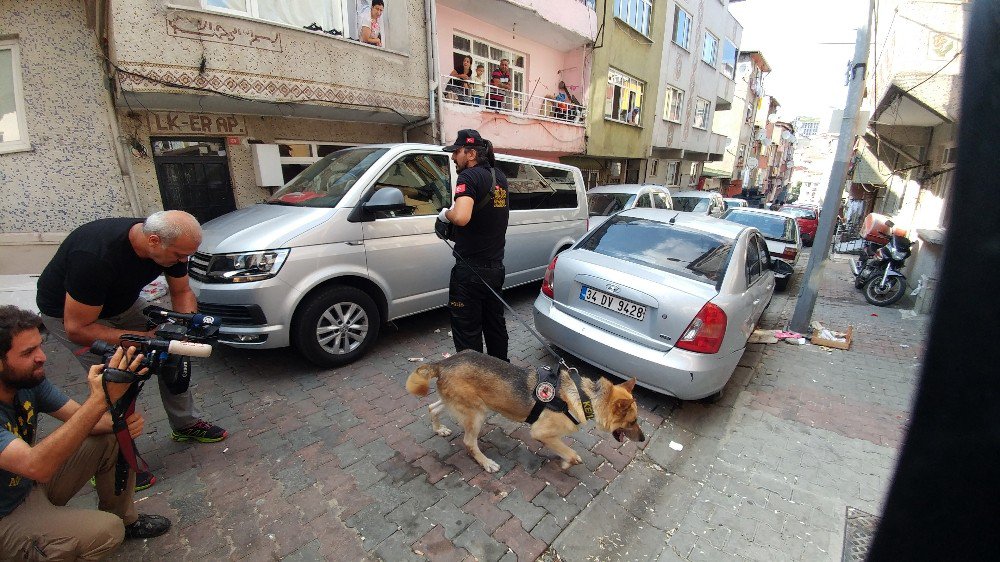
(547, 395)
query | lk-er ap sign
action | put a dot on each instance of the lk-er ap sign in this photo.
(181, 123)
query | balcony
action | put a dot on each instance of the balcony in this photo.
(724, 93)
(538, 125)
(560, 24)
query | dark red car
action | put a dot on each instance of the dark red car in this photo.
(808, 218)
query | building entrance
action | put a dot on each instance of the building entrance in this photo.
(194, 176)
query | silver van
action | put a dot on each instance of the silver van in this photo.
(349, 244)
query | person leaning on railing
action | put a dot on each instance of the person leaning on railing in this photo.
(458, 86)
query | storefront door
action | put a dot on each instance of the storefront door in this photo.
(194, 176)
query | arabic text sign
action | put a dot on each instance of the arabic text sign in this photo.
(173, 123)
(189, 27)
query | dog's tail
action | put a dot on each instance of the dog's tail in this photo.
(419, 382)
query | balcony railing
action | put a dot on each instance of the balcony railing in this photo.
(492, 98)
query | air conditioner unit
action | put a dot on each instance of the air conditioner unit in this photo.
(266, 165)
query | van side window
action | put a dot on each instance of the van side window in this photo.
(424, 180)
(538, 187)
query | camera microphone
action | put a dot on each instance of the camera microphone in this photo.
(189, 349)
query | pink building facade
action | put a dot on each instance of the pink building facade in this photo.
(544, 43)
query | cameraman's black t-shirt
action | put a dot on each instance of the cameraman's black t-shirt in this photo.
(483, 238)
(97, 266)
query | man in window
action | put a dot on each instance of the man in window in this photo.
(501, 86)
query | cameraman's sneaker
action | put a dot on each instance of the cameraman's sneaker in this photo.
(147, 527)
(202, 432)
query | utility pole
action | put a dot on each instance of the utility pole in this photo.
(806, 301)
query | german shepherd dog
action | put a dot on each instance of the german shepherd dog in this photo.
(471, 383)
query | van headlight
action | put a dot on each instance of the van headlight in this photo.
(246, 267)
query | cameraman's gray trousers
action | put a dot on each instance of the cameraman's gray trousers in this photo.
(180, 408)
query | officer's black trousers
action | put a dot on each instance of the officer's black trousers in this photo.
(476, 313)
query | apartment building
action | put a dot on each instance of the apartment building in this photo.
(737, 124)
(199, 105)
(500, 65)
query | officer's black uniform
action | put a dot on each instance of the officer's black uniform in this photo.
(475, 312)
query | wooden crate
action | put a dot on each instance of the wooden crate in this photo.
(834, 344)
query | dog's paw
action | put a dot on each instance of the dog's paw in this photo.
(491, 465)
(566, 463)
(443, 431)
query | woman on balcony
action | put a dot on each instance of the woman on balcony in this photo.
(458, 86)
(370, 21)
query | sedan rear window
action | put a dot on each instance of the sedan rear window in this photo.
(773, 227)
(689, 253)
(691, 204)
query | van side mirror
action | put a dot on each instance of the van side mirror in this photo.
(781, 267)
(387, 199)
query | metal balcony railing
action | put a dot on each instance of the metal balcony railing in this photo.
(491, 98)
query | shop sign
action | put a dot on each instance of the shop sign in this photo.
(181, 123)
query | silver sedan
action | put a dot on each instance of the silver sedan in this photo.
(669, 298)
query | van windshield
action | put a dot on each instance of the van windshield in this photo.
(326, 182)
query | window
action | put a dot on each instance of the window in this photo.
(729, 54)
(490, 55)
(644, 201)
(635, 13)
(701, 110)
(682, 28)
(13, 126)
(753, 261)
(424, 179)
(710, 49)
(653, 165)
(697, 255)
(673, 173)
(327, 15)
(623, 100)
(673, 104)
(296, 156)
(950, 155)
(538, 187)
(662, 200)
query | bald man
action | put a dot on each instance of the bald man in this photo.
(91, 291)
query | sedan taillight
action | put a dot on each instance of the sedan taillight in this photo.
(549, 279)
(705, 333)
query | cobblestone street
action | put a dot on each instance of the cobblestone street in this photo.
(342, 464)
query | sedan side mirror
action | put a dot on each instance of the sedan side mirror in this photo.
(781, 267)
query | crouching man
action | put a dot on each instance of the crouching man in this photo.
(37, 479)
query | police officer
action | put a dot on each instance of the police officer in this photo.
(479, 214)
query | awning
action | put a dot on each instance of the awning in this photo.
(917, 100)
(715, 173)
(868, 169)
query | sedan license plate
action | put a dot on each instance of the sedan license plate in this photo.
(619, 305)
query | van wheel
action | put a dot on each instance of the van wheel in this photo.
(336, 326)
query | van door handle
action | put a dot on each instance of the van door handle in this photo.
(356, 243)
(756, 301)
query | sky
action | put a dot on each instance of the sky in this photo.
(807, 71)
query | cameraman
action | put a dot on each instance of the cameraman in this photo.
(34, 520)
(480, 214)
(90, 291)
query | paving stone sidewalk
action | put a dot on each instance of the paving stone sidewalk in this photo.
(342, 464)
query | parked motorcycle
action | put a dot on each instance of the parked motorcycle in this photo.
(878, 271)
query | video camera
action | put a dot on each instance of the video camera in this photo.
(178, 338)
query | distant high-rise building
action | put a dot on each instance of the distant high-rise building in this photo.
(806, 126)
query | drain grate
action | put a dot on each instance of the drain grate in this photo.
(859, 528)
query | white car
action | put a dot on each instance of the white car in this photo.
(606, 200)
(734, 202)
(780, 230)
(708, 203)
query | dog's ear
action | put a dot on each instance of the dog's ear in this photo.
(621, 406)
(628, 385)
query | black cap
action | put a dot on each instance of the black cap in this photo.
(467, 138)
